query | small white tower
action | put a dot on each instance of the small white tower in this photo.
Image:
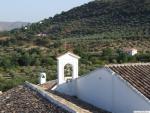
(62, 61)
(42, 78)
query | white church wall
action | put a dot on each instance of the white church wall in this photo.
(68, 88)
(109, 92)
(126, 99)
(96, 88)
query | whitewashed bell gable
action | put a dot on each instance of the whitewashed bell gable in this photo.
(67, 58)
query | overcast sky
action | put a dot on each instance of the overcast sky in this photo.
(34, 10)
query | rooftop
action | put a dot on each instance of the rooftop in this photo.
(70, 101)
(138, 75)
(23, 100)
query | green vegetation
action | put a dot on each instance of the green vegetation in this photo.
(119, 19)
(97, 31)
(21, 65)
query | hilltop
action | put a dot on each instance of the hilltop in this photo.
(117, 19)
(97, 23)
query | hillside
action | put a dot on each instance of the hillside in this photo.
(6, 26)
(98, 23)
(124, 18)
(98, 31)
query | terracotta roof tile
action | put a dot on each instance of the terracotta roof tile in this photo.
(138, 75)
(48, 85)
(22, 100)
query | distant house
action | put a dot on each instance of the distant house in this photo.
(25, 28)
(131, 51)
(41, 35)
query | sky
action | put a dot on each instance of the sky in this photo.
(34, 10)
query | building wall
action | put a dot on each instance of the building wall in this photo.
(96, 88)
(68, 88)
(105, 90)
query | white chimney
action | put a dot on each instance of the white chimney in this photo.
(42, 78)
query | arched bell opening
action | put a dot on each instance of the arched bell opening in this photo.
(68, 72)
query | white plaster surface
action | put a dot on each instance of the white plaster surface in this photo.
(109, 92)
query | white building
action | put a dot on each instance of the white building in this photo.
(131, 52)
(116, 88)
(41, 35)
